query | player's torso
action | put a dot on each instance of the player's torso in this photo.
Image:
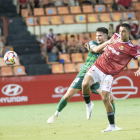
(91, 58)
(115, 57)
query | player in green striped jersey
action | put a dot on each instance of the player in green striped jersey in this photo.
(76, 86)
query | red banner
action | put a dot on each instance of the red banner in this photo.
(50, 88)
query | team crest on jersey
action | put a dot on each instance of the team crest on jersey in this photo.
(121, 48)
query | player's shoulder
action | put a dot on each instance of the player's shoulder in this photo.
(130, 44)
(115, 36)
(93, 42)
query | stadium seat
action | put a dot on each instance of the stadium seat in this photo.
(56, 20)
(75, 9)
(24, 12)
(130, 15)
(81, 18)
(76, 36)
(7, 48)
(79, 66)
(2, 63)
(66, 57)
(85, 56)
(117, 16)
(77, 57)
(81, 36)
(6, 71)
(47, 61)
(44, 20)
(68, 19)
(63, 37)
(38, 11)
(93, 36)
(87, 9)
(133, 64)
(136, 6)
(63, 10)
(30, 21)
(92, 18)
(100, 8)
(19, 70)
(109, 8)
(134, 42)
(108, 1)
(105, 17)
(57, 68)
(17, 63)
(51, 11)
(69, 68)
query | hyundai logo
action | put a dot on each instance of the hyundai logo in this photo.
(12, 90)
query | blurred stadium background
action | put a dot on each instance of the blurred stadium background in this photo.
(43, 34)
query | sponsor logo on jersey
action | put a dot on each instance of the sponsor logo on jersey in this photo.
(113, 50)
(121, 48)
(60, 91)
(12, 90)
(107, 81)
(120, 91)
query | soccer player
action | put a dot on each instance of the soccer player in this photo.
(76, 86)
(114, 59)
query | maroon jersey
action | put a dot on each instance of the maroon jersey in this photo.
(134, 28)
(116, 56)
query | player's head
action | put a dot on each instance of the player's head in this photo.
(124, 32)
(51, 30)
(101, 35)
(59, 36)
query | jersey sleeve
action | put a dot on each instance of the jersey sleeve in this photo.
(115, 36)
(134, 51)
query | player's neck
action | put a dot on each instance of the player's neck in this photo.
(123, 40)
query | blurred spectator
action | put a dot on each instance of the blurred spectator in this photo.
(118, 26)
(135, 29)
(46, 3)
(43, 44)
(60, 44)
(1, 47)
(125, 4)
(72, 45)
(90, 2)
(61, 2)
(110, 30)
(51, 36)
(23, 4)
(138, 47)
(82, 41)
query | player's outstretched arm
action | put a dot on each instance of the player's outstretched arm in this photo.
(99, 49)
(137, 73)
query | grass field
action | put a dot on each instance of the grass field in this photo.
(29, 122)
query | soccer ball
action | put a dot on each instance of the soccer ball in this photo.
(10, 57)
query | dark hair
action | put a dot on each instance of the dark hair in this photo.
(58, 34)
(72, 36)
(129, 18)
(127, 26)
(103, 30)
(51, 29)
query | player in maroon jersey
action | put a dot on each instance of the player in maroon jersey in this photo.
(119, 51)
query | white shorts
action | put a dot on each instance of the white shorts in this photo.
(105, 80)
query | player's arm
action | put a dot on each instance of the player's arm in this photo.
(137, 73)
(100, 48)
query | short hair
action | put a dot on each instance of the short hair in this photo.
(127, 26)
(72, 36)
(58, 34)
(103, 30)
(129, 18)
(51, 29)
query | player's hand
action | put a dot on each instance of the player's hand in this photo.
(112, 41)
(86, 46)
(137, 73)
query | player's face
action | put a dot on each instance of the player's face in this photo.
(124, 34)
(100, 37)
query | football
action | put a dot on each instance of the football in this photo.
(10, 58)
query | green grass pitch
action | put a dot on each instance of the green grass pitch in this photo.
(30, 122)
